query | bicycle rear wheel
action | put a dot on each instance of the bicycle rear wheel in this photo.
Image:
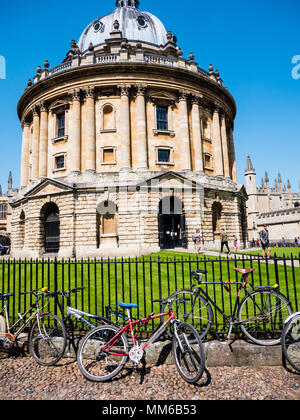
(188, 352)
(47, 339)
(262, 314)
(290, 342)
(97, 365)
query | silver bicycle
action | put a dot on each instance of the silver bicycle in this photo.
(47, 335)
(290, 340)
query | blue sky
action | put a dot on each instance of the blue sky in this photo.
(251, 43)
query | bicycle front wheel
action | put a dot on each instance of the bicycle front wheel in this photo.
(188, 352)
(47, 339)
(290, 342)
(193, 309)
(102, 353)
(262, 314)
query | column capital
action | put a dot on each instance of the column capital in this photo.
(125, 89)
(35, 111)
(183, 95)
(25, 123)
(90, 92)
(196, 99)
(43, 106)
(76, 95)
(141, 89)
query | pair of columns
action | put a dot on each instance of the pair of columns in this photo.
(39, 146)
(223, 145)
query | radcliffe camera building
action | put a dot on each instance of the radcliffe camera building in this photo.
(127, 147)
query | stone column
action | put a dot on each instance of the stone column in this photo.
(35, 144)
(232, 154)
(90, 130)
(75, 131)
(25, 154)
(217, 143)
(225, 145)
(184, 134)
(125, 154)
(197, 136)
(141, 128)
(43, 147)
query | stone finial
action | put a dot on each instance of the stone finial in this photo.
(39, 70)
(262, 184)
(169, 36)
(91, 47)
(0, 191)
(266, 178)
(192, 57)
(211, 69)
(289, 185)
(179, 52)
(29, 83)
(116, 25)
(46, 64)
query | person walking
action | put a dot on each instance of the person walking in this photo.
(197, 240)
(224, 241)
(265, 242)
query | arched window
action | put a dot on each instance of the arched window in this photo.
(108, 119)
(50, 227)
(216, 217)
(22, 229)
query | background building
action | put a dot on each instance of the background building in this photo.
(6, 212)
(127, 147)
(276, 206)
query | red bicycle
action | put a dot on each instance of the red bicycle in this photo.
(105, 350)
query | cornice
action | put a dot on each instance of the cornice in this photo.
(184, 79)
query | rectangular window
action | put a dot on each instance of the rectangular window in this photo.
(60, 162)
(60, 125)
(162, 118)
(109, 156)
(163, 156)
(3, 211)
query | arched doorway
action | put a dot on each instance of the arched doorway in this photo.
(52, 228)
(171, 221)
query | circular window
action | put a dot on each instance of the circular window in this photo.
(98, 25)
(142, 22)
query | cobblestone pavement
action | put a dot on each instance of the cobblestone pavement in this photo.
(23, 379)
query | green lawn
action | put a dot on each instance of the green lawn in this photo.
(139, 280)
(276, 252)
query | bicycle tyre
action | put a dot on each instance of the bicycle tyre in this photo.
(261, 317)
(201, 315)
(48, 349)
(191, 362)
(290, 342)
(91, 362)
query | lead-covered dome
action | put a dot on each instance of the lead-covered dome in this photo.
(134, 25)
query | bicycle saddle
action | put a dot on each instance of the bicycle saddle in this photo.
(5, 295)
(198, 272)
(128, 305)
(244, 270)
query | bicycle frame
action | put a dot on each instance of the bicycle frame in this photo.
(130, 325)
(36, 314)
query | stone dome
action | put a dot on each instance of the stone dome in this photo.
(134, 25)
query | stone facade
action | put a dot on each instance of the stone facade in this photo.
(278, 207)
(111, 132)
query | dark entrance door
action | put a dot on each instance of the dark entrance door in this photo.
(171, 224)
(52, 229)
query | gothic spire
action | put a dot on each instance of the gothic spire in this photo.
(249, 167)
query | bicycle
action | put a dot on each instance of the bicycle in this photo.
(260, 314)
(290, 340)
(47, 334)
(82, 316)
(104, 351)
